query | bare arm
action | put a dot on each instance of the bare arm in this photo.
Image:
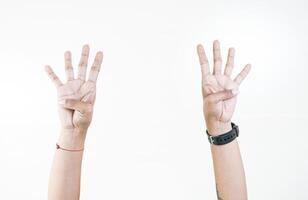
(76, 100)
(219, 100)
(229, 172)
(64, 181)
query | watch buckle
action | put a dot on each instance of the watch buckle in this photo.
(211, 140)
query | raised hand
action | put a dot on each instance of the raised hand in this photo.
(219, 89)
(76, 97)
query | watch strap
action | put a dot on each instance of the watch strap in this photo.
(224, 138)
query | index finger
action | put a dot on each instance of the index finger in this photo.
(96, 66)
(53, 76)
(204, 63)
(242, 75)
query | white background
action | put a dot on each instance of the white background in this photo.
(147, 140)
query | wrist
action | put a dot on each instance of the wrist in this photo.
(215, 128)
(72, 138)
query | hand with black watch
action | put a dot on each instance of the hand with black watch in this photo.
(220, 93)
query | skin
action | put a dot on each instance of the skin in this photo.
(219, 99)
(76, 99)
(75, 104)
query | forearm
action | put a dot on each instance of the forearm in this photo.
(64, 181)
(228, 167)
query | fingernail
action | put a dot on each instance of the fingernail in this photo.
(61, 102)
(234, 92)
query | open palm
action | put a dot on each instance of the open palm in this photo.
(219, 90)
(77, 96)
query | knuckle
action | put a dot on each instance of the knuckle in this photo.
(68, 67)
(217, 60)
(85, 54)
(82, 63)
(95, 68)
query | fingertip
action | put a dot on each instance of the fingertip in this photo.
(216, 42)
(62, 102)
(100, 54)
(67, 54)
(232, 50)
(86, 46)
(235, 92)
(199, 47)
(47, 68)
(216, 45)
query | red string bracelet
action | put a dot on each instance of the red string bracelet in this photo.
(71, 150)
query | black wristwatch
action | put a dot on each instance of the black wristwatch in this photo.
(224, 138)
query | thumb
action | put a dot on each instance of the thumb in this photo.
(221, 96)
(77, 105)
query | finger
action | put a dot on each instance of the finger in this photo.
(230, 62)
(68, 66)
(53, 76)
(80, 106)
(242, 75)
(83, 63)
(221, 96)
(217, 57)
(96, 66)
(204, 63)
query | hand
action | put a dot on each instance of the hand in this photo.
(219, 90)
(76, 97)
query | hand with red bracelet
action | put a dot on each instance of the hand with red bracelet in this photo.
(76, 98)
